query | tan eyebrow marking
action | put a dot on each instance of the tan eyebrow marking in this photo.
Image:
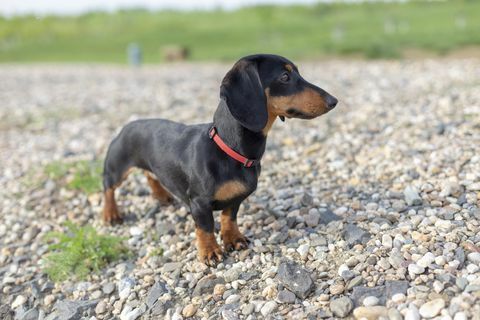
(289, 67)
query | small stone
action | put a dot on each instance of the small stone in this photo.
(426, 260)
(394, 314)
(370, 301)
(31, 314)
(219, 289)
(398, 298)
(268, 308)
(136, 231)
(189, 311)
(303, 250)
(432, 308)
(96, 294)
(19, 300)
(412, 313)
(415, 269)
(172, 266)
(101, 307)
(131, 314)
(460, 316)
(342, 269)
(285, 296)
(341, 307)
(384, 264)
(234, 298)
(229, 315)
(412, 198)
(461, 283)
(358, 280)
(474, 257)
(248, 309)
(232, 274)
(336, 289)
(438, 286)
(49, 299)
(312, 218)
(108, 288)
(125, 286)
(370, 313)
(387, 241)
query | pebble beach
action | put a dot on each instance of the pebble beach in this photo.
(371, 211)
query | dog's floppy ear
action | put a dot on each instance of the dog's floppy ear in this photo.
(243, 92)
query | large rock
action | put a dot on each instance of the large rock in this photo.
(327, 216)
(73, 310)
(295, 278)
(157, 290)
(383, 293)
(206, 284)
(355, 235)
(394, 287)
(361, 292)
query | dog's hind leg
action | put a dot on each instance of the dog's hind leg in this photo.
(116, 169)
(158, 191)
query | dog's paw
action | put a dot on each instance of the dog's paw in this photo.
(234, 241)
(209, 252)
(111, 217)
(211, 255)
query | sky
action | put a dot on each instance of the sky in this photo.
(72, 7)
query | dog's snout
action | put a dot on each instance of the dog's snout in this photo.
(331, 102)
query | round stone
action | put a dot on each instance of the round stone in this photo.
(432, 308)
(370, 301)
(189, 311)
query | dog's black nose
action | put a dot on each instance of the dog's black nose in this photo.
(331, 102)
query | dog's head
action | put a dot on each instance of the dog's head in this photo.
(261, 87)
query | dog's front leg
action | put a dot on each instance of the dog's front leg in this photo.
(232, 238)
(209, 252)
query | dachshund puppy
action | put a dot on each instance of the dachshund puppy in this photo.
(215, 166)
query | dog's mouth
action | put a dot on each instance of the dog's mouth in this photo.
(295, 113)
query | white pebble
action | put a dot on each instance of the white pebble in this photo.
(387, 241)
(415, 269)
(398, 297)
(342, 269)
(474, 257)
(432, 308)
(19, 300)
(370, 301)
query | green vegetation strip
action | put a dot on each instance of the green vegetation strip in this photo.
(80, 251)
(79, 175)
(375, 30)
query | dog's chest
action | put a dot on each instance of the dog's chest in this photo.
(233, 189)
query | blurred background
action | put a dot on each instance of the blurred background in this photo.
(157, 31)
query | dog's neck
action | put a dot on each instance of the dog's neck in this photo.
(248, 143)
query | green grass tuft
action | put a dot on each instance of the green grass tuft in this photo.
(80, 251)
(79, 175)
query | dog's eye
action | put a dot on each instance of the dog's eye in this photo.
(285, 77)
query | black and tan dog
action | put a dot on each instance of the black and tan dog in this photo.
(215, 166)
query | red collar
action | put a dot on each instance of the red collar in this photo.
(213, 134)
